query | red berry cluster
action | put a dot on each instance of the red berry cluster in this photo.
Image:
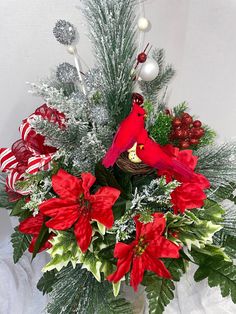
(186, 131)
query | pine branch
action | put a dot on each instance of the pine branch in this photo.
(179, 109)
(218, 163)
(20, 243)
(77, 291)
(112, 33)
(151, 90)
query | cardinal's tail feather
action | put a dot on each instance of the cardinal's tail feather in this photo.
(111, 156)
(183, 170)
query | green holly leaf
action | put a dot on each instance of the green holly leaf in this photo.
(64, 250)
(190, 229)
(20, 243)
(211, 211)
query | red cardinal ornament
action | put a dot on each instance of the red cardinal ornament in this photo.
(152, 154)
(126, 136)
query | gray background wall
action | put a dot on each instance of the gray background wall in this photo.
(199, 37)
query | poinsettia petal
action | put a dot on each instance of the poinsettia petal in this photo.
(87, 181)
(67, 186)
(122, 250)
(57, 206)
(136, 275)
(102, 202)
(31, 225)
(153, 229)
(163, 248)
(123, 267)
(156, 266)
(83, 232)
(63, 222)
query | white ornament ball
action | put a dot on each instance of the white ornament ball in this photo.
(149, 70)
(71, 49)
(143, 24)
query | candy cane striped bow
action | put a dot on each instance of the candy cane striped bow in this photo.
(37, 155)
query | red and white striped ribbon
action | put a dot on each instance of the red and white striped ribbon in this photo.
(11, 181)
(7, 160)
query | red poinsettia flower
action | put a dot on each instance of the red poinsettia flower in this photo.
(144, 252)
(77, 207)
(32, 226)
(190, 194)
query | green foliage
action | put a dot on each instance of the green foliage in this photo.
(20, 243)
(118, 180)
(18, 209)
(180, 109)
(212, 211)
(160, 291)
(41, 239)
(46, 282)
(223, 192)
(112, 32)
(151, 90)
(190, 229)
(218, 271)
(65, 250)
(208, 137)
(161, 128)
(228, 242)
(4, 198)
(75, 290)
(217, 163)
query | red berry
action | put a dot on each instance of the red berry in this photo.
(176, 122)
(184, 144)
(168, 112)
(197, 132)
(185, 115)
(175, 234)
(194, 141)
(185, 133)
(137, 98)
(142, 57)
(178, 133)
(187, 120)
(202, 131)
(197, 124)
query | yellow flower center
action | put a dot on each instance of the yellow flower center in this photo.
(140, 248)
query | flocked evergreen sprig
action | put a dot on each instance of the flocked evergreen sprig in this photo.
(112, 33)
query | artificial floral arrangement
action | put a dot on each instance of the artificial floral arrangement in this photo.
(117, 188)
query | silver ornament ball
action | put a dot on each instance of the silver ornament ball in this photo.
(149, 70)
(64, 32)
(66, 73)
